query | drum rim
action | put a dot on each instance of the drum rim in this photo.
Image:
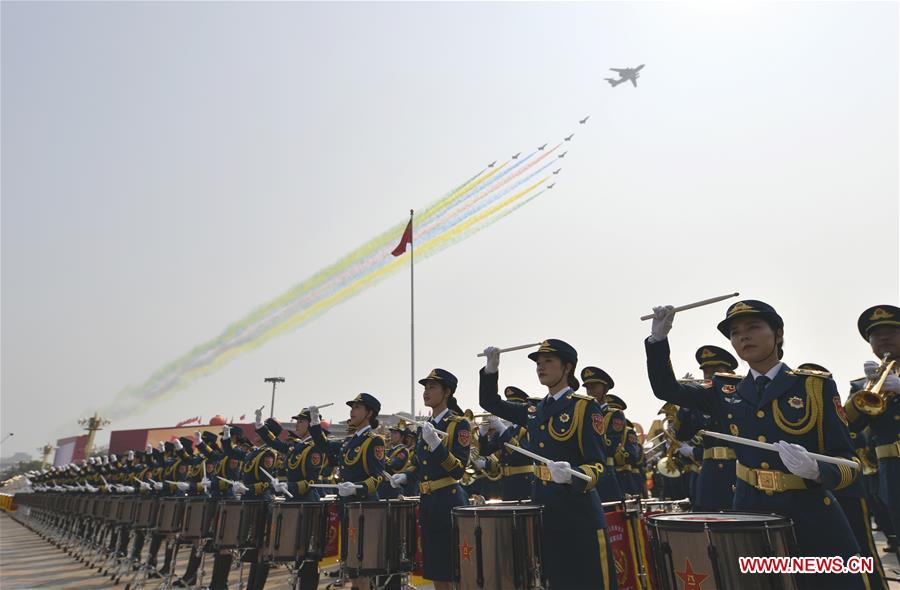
(678, 520)
(497, 511)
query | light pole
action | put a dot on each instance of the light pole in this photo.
(92, 425)
(274, 381)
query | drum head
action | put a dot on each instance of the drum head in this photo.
(698, 521)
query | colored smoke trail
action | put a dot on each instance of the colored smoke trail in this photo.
(475, 204)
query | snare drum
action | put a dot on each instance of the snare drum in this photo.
(199, 516)
(171, 514)
(240, 524)
(126, 509)
(297, 530)
(381, 537)
(145, 512)
(499, 547)
(698, 546)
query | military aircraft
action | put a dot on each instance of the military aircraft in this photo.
(491, 165)
(562, 155)
(557, 171)
(583, 121)
(625, 74)
(569, 138)
(516, 157)
(551, 185)
(542, 147)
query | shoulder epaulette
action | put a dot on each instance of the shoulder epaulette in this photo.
(729, 375)
(810, 373)
(454, 418)
(582, 396)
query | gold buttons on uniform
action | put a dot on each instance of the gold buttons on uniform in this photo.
(730, 416)
(764, 465)
(721, 466)
(760, 414)
(827, 501)
(761, 438)
(540, 444)
(424, 462)
(543, 427)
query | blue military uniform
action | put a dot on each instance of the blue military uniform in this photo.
(799, 407)
(438, 473)
(395, 461)
(302, 459)
(884, 428)
(623, 453)
(515, 469)
(361, 461)
(611, 434)
(575, 542)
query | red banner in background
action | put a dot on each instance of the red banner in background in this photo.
(333, 536)
(622, 552)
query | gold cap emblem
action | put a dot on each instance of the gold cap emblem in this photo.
(880, 314)
(707, 353)
(740, 307)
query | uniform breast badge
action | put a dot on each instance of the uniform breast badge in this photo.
(728, 388)
(795, 402)
(564, 417)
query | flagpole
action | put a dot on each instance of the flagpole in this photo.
(412, 326)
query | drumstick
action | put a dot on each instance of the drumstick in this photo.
(325, 405)
(228, 481)
(770, 447)
(440, 432)
(697, 304)
(273, 480)
(536, 457)
(513, 348)
(332, 485)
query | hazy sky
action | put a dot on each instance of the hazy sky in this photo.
(168, 167)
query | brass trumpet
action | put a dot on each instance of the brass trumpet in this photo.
(869, 400)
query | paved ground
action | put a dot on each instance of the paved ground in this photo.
(28, 561)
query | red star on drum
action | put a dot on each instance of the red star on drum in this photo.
(692, 580)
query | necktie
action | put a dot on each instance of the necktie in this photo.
(761, 383)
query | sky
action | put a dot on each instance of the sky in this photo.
(167, 168)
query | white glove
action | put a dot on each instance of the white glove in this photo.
(178, 445)
(226, 432)
(239, 488)
(480, 463)
(797, 460)
(91, 460)
(162, 446)
(663, 316)
(126, 489)
(198, 438)
(157, 485)
(871, 369)
(430, 436)
(891, 384)
(397, 480)
(559, 471)
(484, 428)
(257, 418)
(105, 460)
(346, 488)
(131, 455)
(182, 486)
(686, 450)
(145, 486)
(280, 487)
(113, 458)
(498, 425)
(90, 488)
(204, 483)
(492, 363)
(149, 448)
(314, 415)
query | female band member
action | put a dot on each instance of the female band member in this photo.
(566, 428)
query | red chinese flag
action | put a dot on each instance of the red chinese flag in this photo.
(406, 239)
